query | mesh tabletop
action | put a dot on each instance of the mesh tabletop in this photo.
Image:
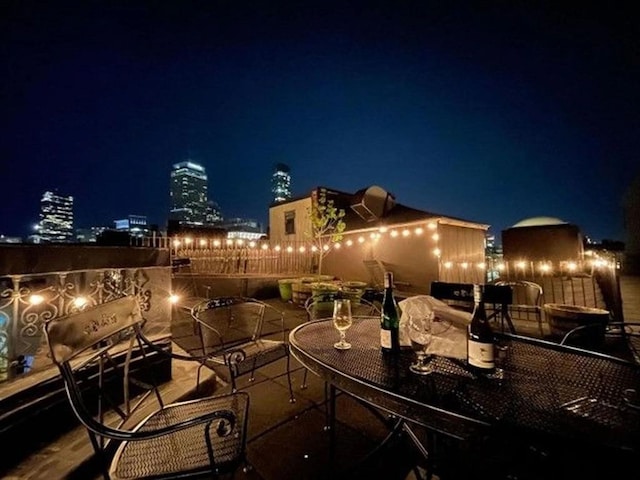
(546, 389)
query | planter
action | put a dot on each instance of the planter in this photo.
(323, 288)
(353, 290)
(564, 318)
(286, 292)
(300, 291)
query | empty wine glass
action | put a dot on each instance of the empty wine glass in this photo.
(420, 336)
(422, 328)
(342, 321)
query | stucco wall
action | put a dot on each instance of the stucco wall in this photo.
(302, 222)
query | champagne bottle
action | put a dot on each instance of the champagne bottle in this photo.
(390, 319)
(480, 338)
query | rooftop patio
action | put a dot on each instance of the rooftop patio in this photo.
(295, 430)
(285, 440)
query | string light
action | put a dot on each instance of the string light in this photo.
(80, 302)
(596, 261)
(36, 299)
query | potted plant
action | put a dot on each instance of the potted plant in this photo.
(353, 290)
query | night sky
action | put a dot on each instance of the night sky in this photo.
(493, 113)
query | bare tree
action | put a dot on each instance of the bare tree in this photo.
(327, 224)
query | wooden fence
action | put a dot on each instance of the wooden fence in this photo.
(244, 258)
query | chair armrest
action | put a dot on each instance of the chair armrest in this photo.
(132, 435)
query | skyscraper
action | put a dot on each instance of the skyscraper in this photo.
(189, 200)
(56, 218)
(281, 183)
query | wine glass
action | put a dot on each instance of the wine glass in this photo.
(420, 336)
(422, 328)
(342, 320)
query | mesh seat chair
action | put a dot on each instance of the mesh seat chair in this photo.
(109, 369)
(526, 301)
(241, 335)
(615, 337)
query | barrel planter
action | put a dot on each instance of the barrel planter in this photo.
(301, 290)
(353, 290)
(324, 288)
(564, 318)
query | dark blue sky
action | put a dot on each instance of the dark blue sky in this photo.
(492, 113)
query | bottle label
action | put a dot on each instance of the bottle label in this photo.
(385, 338)
(481, 355)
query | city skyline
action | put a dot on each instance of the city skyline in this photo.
(491, 113)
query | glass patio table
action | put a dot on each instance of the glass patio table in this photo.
(554, 394)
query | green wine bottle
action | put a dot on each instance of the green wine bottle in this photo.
(390, 318)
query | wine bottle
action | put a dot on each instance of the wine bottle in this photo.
(480, 338)
(390, 319)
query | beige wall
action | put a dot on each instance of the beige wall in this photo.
(302, 223)
(412, 259)
(461, 245)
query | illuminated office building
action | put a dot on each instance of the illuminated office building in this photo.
(136, 225)
(189, 200)
(281, 183)
(56, 218)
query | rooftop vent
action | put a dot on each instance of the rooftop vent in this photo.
(372, 203)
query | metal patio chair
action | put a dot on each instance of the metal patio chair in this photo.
(241, 335)
(595, 336)
(110, 371)
(526, 301)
